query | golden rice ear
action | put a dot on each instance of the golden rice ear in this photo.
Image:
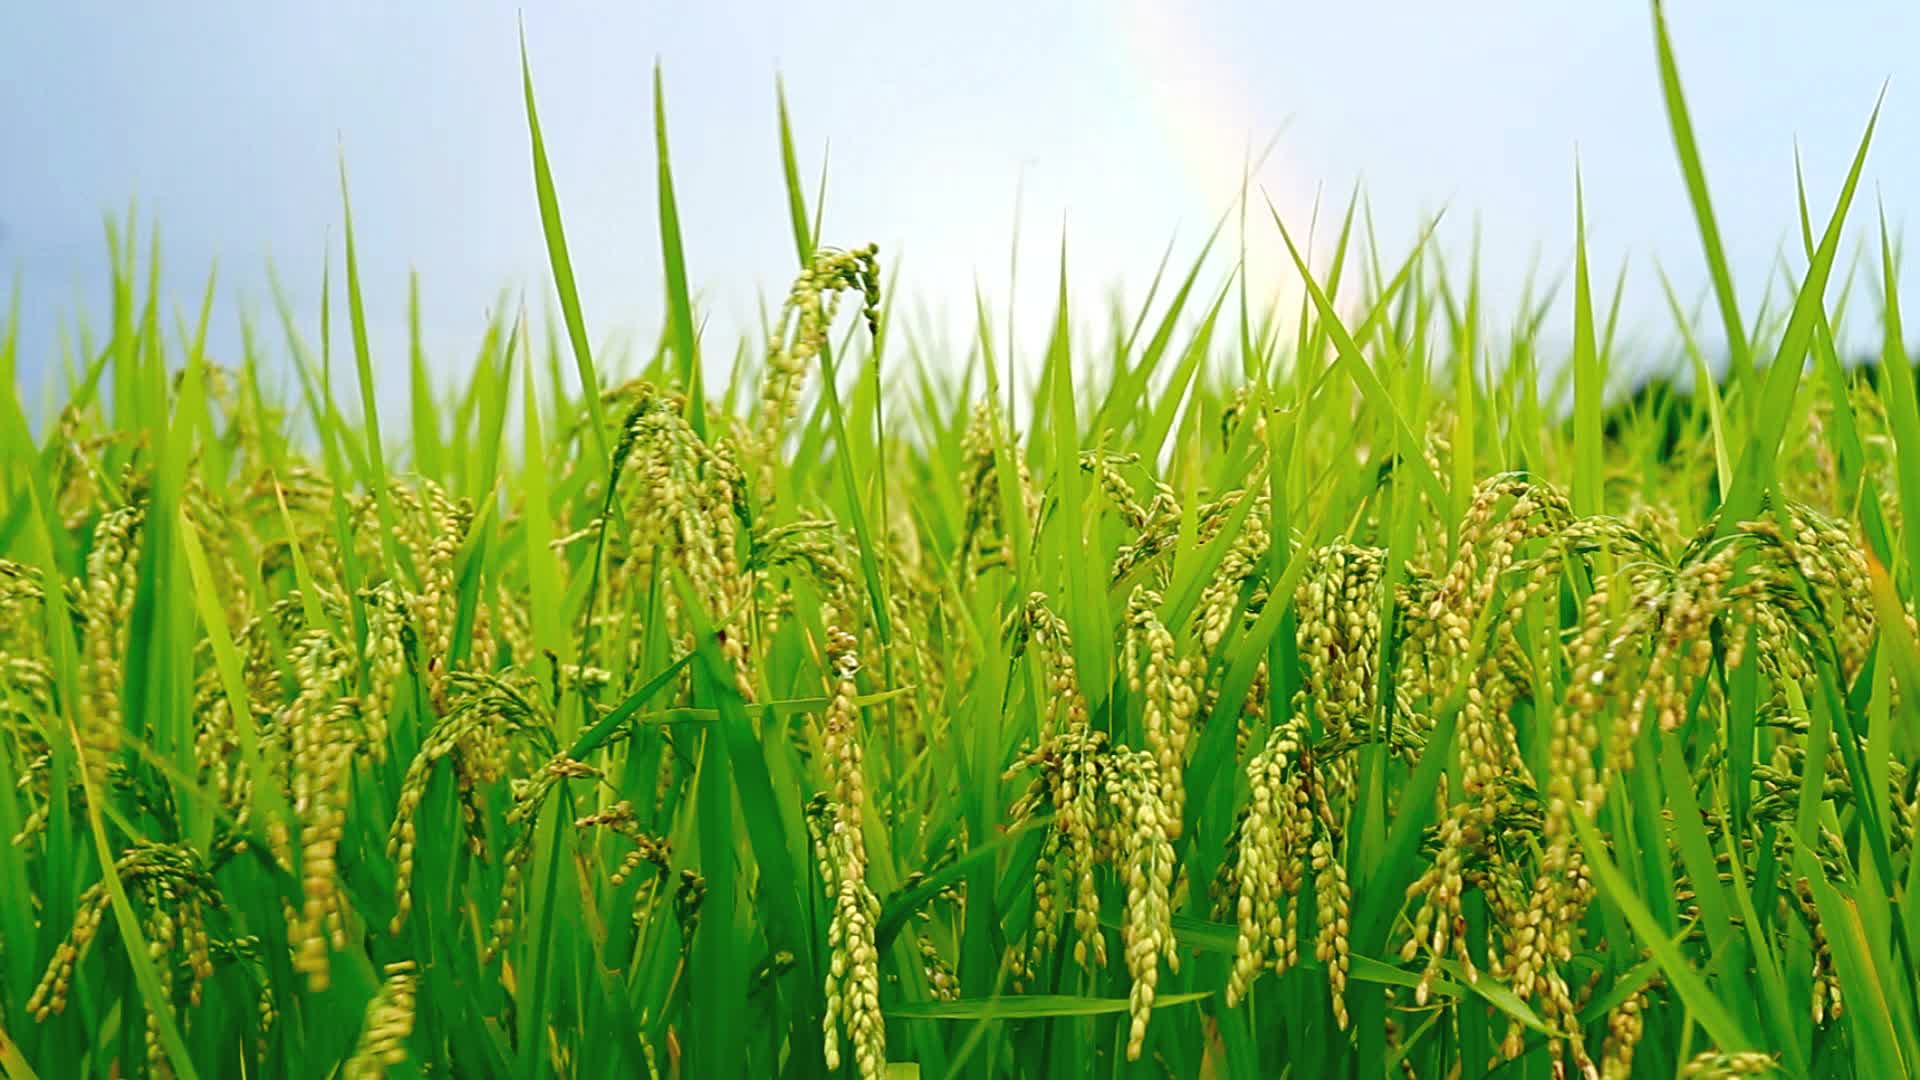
(388, 1024)
(853, 975)
(800, 334)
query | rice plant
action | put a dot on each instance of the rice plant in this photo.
(1335, 697)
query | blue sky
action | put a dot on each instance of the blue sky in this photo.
(1128, 122)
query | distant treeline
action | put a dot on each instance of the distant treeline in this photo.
(1664, 402)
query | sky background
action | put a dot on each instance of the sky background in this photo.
(1126, 123)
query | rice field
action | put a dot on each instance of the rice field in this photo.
(1364, 688)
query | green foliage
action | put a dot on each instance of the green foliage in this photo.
(1327, 696)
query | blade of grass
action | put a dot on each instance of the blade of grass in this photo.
(397, 559)
(674, 263)
(1903, 409)
(1754, 477)
(428, 455)
(562, 264)
(790, 172)
(1589, 378)
(1680, 124)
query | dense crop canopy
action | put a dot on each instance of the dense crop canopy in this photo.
(1337, 700)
